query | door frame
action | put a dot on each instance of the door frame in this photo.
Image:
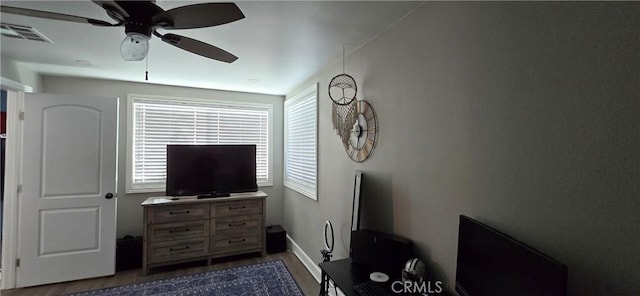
(10, 234)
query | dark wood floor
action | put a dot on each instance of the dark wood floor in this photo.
(305, 280)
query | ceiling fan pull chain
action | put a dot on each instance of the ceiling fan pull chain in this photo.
(146, 70)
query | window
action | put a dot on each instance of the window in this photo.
(300, 142)
(156, 122)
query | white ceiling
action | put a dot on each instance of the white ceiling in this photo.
(280, 44)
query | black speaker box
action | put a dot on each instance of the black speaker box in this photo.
(378, 251)
(276, 239)
(128, 253)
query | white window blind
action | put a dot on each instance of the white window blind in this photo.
(159, 123)
(301, 121)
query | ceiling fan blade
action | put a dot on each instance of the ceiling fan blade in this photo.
(198, 16)
(111, 7)
(53, 15)
(199, 47)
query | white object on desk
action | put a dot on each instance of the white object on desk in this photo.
(378, 277)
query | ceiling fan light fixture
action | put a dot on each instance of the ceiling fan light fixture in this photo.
(134, 47)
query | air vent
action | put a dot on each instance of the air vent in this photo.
(22, 32)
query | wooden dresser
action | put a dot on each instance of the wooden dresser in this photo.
(189, 229)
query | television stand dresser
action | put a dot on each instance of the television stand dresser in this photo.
(185, 228)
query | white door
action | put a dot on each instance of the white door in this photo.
(67, 226)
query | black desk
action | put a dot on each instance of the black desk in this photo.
(344, 273)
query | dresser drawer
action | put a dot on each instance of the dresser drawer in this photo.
(235, 244)
(236, 226)
(235, 208)
(178, 213)
(179, 230)
(178, 249)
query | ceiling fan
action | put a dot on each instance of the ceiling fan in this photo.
(141, 19)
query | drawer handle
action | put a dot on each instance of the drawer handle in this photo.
(237, 224)
(237, 207)
(179, 230)
(179, 213)
(179, 249)
(237, 241)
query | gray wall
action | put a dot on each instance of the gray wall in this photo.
(17, 72)
(129, 213)
(521, 115)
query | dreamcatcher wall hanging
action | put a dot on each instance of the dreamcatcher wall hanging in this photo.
(354, 120)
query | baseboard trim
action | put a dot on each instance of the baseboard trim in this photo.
(311, 266)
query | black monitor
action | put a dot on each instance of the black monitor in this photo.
(492, 263)
(204, 169)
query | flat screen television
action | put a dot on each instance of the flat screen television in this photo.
(205, 169)
(493, 263)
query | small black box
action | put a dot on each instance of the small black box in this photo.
(276, 239)
(128, 253)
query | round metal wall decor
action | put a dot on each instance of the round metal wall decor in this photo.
(343, 89)
(364, 133)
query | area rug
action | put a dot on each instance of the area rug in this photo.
(269, 278)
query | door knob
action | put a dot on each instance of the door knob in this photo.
(108, 195)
